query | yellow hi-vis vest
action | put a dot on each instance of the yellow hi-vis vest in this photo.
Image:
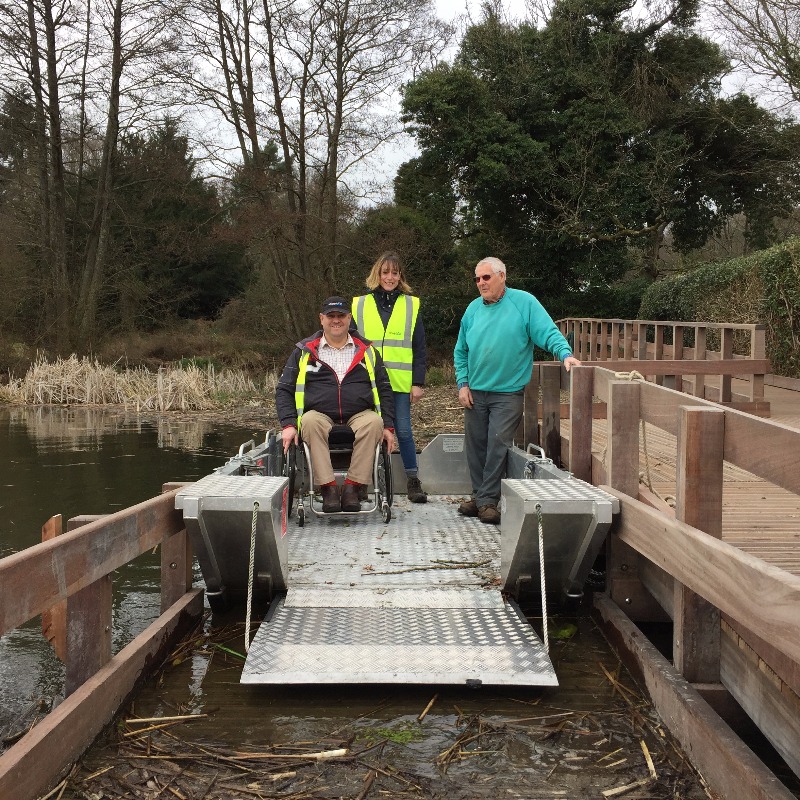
(394, 341)
(300, 386)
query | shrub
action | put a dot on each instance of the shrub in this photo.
(760, 288)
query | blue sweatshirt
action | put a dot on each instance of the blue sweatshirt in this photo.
(494, 351)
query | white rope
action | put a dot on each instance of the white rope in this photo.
(644, 477)
(250, 577)
(538, 508)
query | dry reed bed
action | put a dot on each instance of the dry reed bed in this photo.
(84, 381)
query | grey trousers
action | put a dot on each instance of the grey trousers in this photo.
(489, 428)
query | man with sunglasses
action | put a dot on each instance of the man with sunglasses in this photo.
(493, 360)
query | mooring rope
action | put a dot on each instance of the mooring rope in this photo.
(545, 637)
(250, 577)
(644, 477)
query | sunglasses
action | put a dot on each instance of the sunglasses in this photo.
(479, 278)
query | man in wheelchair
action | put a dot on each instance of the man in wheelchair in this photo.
(336, 377)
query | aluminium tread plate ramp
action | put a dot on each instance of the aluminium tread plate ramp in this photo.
(414, 601)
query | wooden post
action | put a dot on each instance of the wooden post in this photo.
(622, 472)
(622, 452)
(627, 348)
(530, 416)
(677, 352)
(551, 410)
(696, 631)
(603, 355)
(725, 353)
(641, 339)
(658, 351)
(700, 355)
(176, 565)
(580, 415)
(592, 354)
(758, 349)
(54, 620)
(88, 625)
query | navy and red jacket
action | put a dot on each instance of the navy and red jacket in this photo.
(325, 393)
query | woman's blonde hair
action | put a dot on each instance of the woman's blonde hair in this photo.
(373, 280)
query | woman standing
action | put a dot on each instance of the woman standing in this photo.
(389, 317)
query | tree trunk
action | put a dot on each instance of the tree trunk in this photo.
(45, 249)
(57, 226)
(97, 244)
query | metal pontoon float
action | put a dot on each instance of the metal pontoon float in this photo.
(429, 597)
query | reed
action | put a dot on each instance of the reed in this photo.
(85, 381)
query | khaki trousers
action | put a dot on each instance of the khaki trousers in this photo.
(368, 429)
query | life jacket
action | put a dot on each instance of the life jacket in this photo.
(300, 386)
(393, 341)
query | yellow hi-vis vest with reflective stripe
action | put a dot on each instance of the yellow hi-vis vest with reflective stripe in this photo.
(394, 341)
(300, 386)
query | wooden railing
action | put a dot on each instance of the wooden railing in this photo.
(67, 579)
(673, 561)
(688, 352)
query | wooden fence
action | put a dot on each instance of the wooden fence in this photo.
(688, 353)
(736, 619)
(67, 579)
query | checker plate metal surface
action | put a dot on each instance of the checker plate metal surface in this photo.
(398, 645)
(412, 601)
(555, 490)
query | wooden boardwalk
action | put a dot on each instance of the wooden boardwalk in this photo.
(758, 517)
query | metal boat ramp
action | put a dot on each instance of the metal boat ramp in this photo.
(429, 597)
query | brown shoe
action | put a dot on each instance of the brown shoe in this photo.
(330, 499)
(350, 500)
(414, 491)
(468, 508)
(489, 514)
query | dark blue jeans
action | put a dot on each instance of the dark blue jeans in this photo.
(402, 428)
(489, 428)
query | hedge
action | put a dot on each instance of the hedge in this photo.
(763, 287)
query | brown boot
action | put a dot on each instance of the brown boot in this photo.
(489, 514)
(350, 500)
(330, 498)
(468, 508)
(415, 493)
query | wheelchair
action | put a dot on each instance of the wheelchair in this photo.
(300, 472)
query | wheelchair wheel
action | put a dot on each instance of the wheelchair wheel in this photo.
(290, 471)
(301, 515)
(386, 511)
(385, 476)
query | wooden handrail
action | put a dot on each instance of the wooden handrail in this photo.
(36, 578)
(744, 326)
(760, 596)
(683, 344)
(76, 567)
(665, 563)
(766, 448)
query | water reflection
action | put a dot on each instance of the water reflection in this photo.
(74, 461)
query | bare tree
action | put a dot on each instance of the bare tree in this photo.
(316, 78)
(106, 60)
(764, 37)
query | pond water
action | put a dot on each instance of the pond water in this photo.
(74, 461)
(573, 741)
